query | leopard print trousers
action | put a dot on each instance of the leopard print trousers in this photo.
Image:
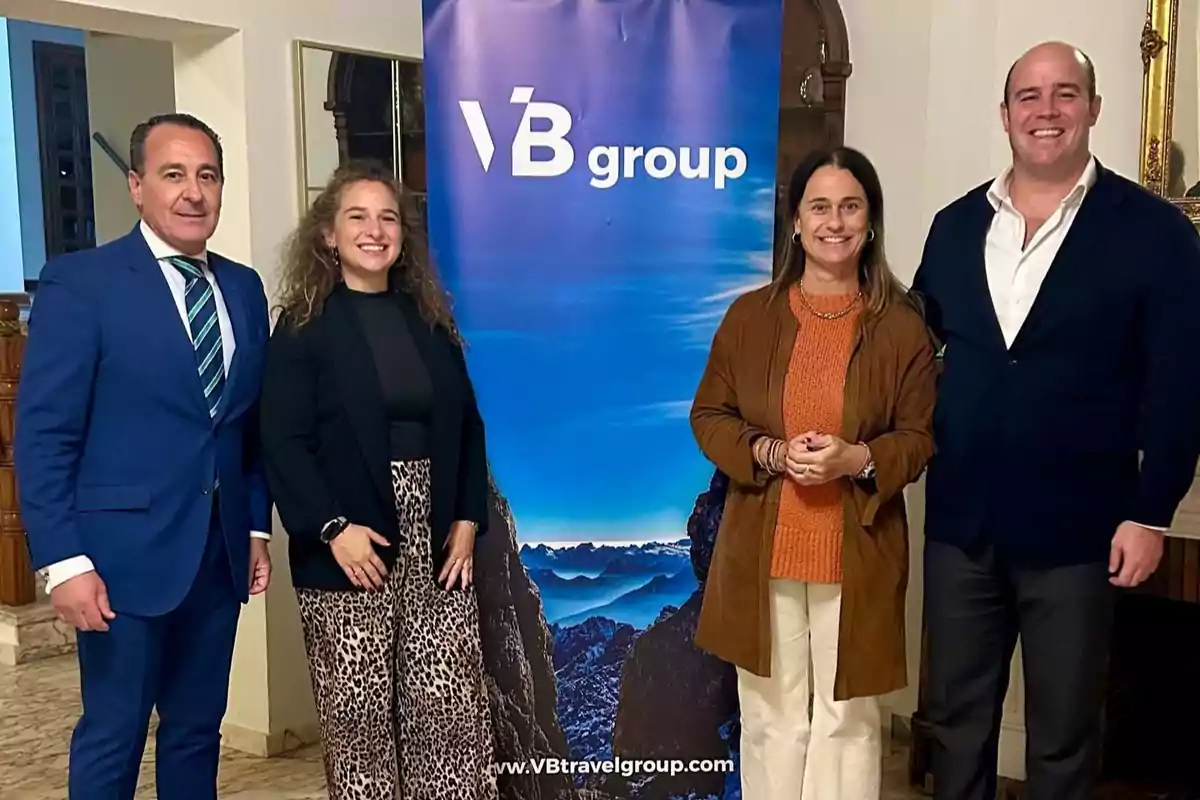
(398, 674)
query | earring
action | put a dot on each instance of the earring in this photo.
(795, 237)
(870, 234)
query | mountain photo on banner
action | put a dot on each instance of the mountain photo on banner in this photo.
(588, 299)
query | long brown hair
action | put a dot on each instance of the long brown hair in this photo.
(879, 286)
(311, 269)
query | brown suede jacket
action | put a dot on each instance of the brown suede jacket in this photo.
(889, 399)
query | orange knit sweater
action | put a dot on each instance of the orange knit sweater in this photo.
(808, 528)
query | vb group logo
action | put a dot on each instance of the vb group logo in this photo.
(609, 164)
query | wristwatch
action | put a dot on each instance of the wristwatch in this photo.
(333, 528)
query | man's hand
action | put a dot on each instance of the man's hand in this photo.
(1134, 555)
(260, 565)
(83, 602)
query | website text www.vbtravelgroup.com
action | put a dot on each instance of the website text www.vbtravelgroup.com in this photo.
(625, 767)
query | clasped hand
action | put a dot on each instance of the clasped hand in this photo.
(816, 458)
(354, 550)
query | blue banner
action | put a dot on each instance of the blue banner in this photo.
(601, 185)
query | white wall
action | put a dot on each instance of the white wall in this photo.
(923, 100)
(129, 80)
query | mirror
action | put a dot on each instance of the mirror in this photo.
(1170, 158)
(357, 104)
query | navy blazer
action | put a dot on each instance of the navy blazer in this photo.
(116, 455)
(1038, 444)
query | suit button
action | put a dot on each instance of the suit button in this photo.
(1012, 362)
(205, 490)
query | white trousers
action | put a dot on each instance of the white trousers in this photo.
(834, 752)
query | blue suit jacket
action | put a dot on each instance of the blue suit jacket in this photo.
(116, 455)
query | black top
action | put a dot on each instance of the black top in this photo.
(325, 432)
(1104, 366)
(403, 377)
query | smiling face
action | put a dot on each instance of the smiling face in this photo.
(1049, 111)
(833, 219)
(367, 234)
(178, 191)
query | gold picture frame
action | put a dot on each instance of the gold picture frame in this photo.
(1158, 46)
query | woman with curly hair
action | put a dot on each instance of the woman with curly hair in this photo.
(375, 457)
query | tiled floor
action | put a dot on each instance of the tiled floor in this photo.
(39, 703)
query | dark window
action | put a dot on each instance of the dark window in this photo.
(64, 144)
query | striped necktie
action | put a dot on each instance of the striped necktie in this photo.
(205, 329)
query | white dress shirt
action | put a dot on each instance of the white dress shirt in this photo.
(61, 571)
(1015, 271)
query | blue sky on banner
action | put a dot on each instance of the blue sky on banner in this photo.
(589, 278)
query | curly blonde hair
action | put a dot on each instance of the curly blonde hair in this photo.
(311, 269)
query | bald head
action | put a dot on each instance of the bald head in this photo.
(1059, 53)
(1050, 105)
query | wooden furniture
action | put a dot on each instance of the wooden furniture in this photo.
(17, 586)
(814, 68)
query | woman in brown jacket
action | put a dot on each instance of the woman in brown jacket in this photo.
(817, 403)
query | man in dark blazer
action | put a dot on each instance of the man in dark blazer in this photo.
(138, 464)
(1064, 297)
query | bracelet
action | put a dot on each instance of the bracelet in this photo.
(867, 470)
(767, 455)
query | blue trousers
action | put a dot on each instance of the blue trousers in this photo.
(178, 663)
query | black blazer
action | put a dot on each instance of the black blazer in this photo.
(1038, 444)
(325, 438)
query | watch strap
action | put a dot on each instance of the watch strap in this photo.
(330, 530)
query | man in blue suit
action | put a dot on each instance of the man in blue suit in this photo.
(137, 458)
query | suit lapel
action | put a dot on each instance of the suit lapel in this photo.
(235, 307)
(1070, 272)
(358, 385)
(975, 272)
(153, 299)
